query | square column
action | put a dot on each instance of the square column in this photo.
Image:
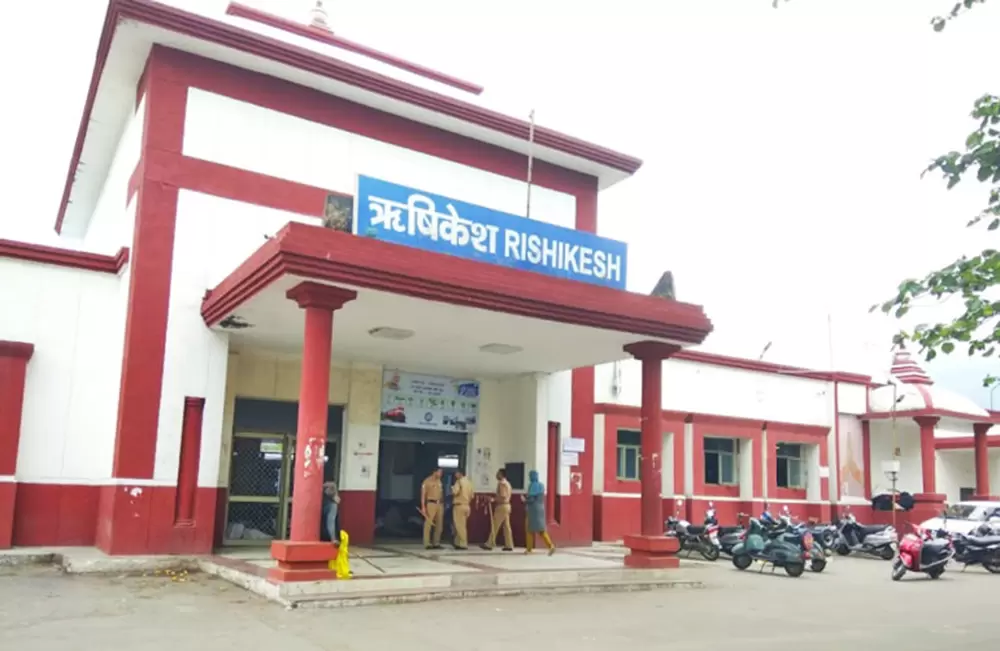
(982, 460)
(304, 557)
(651, 549)
(14, 356)
(928, 453)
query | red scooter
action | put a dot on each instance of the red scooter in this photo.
(924, 551)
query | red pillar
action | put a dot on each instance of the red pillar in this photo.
(928, 452)
(304, 557)
(866, 455)
(14, 356)
(190, 461)
(651, 549)
(982, 460)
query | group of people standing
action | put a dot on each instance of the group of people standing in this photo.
(463, 493)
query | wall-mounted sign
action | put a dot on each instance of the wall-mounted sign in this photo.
(429, 402)
(574, 445)
(422, 220)
(569, 459)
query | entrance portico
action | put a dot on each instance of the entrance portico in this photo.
(463, 318)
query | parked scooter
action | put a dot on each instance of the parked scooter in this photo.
(778, 552)
(785, 529)
(703, 539)
(875, 540)
(923, 551)
(981, 547)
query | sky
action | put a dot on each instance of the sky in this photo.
(782, 147)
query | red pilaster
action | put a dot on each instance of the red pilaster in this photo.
(647, 550)
(866, 455)
(190, 461)
(304, 557)
(982, 459)
(928, 453)
(14, 356)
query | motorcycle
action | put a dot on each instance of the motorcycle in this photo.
(729, 537)
(981, 547)
(703, 539)
(923, 551)
(778, 552)
(875, 540)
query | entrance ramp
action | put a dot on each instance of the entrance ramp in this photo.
(407, 573)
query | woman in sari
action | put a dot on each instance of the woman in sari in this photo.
(534, 510)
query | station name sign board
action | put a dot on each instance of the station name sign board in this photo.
(423, 220)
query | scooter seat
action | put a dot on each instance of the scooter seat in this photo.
(694, 530)
(983, 541)
(725, 531)
(870, 529)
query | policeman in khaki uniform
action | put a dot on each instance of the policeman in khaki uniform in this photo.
(462, 495)
(431, 496)
(501, 514)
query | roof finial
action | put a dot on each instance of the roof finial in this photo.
(318, 16)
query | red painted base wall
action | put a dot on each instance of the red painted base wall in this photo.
(118, 519)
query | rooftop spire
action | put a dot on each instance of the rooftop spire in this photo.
(318, 17)
(907, 370)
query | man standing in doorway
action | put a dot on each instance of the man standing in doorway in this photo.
(461, 504)
(431, 493)
(501, 514)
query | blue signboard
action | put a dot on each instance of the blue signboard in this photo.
(410, 217)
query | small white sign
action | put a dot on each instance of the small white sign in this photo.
(570, 459)
(824, 472)
(574, 445)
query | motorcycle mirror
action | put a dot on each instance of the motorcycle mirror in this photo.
(680, 502)
(785, 510)
(711, 505)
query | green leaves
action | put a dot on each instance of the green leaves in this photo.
(974, 280)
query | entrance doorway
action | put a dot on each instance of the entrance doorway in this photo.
(261, 470)
(406, 457)
(261, 484)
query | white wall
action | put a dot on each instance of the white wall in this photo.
(212, 237)
(708, 389)
(307, 152)
(956, 469)
(111, 227)
(76, 320)
(907, 435)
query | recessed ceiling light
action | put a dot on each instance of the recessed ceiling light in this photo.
(396, 334)
(500, 349)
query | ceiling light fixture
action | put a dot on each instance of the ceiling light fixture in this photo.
(395, 334)
(500, 349)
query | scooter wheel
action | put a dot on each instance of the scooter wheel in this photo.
(817, 565)
(886, 553)
(795, 570)
(710, 552)
(993, 567)
(843, 550)
(742, 561)
(898, 570)
(936, 572)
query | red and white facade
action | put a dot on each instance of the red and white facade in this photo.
(207, 151)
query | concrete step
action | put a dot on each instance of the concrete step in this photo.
(418, 595)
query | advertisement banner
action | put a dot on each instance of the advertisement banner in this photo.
(429, 402)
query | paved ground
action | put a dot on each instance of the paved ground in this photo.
(853, 605)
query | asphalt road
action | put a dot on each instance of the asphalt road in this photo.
(853, 605)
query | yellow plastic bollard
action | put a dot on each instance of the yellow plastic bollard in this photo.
(341, 565)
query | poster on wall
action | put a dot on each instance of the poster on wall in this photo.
(852, 470)
(429, 402)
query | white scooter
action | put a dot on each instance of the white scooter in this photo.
(878, 540)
